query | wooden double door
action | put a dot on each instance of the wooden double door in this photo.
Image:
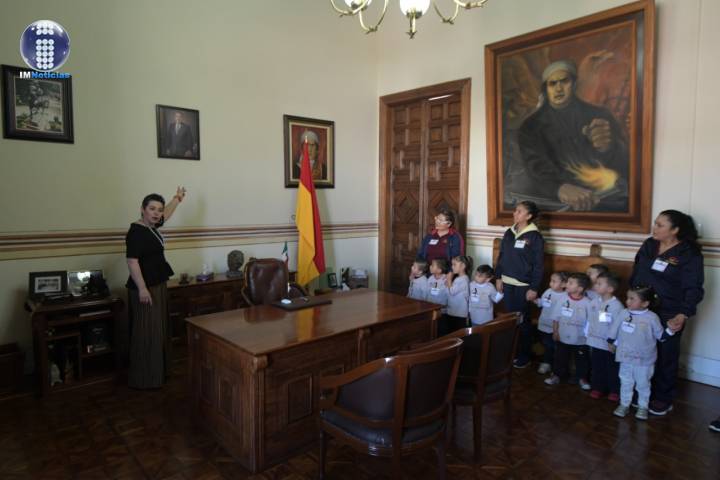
(424, 142)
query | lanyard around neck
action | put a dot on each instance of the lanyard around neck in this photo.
(156, 234)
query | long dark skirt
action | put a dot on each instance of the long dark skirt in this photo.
(149, 339)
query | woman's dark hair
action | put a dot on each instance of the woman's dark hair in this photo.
(465, 260)
(581, 279)
(448, 214)
(442, 264)
(531, 208)
(646, 294)
(486, 270)
(153, 197)
(687, 232)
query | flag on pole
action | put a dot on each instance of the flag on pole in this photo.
(285, 256)
(311, 253)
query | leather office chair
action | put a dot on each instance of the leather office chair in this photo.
(392, 406)
(267, 281)
(486, 368)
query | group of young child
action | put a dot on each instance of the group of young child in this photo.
(451, 287)
(614, 346)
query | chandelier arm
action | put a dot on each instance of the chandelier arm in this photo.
(451, 19)
(349, 12)
(469, 5)
(372, 28)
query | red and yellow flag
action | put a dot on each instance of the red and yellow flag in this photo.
(311, 253)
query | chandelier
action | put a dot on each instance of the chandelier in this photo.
(412, 9)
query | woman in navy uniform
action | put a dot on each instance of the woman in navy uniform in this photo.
(671, 262)
(519, 271)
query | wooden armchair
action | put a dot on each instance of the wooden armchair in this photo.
(267, 280)
(486, 368)
(392, 406)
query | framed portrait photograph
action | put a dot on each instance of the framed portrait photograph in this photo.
(332, 280)
(569, 113)
(46, 283)
(178, 132)
(320, 136)
(35, 108)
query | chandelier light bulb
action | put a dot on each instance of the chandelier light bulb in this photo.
(414, 8)
(355, 4)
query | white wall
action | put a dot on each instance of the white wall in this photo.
(242, 64)
(686, 122)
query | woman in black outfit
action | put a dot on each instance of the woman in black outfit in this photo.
(671, 262)
(519, 271)
(147, 292)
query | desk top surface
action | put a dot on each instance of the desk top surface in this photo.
(264, 329)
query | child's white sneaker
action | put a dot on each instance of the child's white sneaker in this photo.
(554, 380)
(621, 411)
(641, 414)
(544, 368)
(584, 384)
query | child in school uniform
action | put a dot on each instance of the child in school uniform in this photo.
(634, 336)
(437, 287)
(569, 332)
(418, 288)
(458, 285)
(548, 303)
(604, 310)
(482, 296)
(593, 271)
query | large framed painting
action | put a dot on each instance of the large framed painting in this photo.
(178, 132)
(320, 136)
(36, 108)
(570, 121)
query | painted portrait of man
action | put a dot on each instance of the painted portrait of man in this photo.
(566, 115)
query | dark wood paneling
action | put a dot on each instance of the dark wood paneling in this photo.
(424, 144)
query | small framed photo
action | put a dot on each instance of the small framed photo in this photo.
(178, 132)
(320, 137)
(47, 283)
(77, 279)
(36, 108)
(332, 280)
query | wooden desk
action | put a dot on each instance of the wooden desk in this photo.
(254, 371)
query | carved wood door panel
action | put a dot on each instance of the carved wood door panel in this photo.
(423, 169)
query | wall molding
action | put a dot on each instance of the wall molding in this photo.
(25, 245)
(621, 246)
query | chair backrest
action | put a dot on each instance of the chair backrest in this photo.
(410, 389)
(266, 281)
(488, 351)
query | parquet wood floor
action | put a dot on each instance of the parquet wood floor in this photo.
(110, 431)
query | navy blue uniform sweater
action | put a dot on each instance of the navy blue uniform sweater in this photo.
(523, 264)
(680, 286)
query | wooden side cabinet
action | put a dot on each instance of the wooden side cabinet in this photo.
(200, 298)
(76, 343)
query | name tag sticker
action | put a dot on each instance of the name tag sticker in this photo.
(567, 312)
(434, 241)
(519, 243)
(605, 317)
(545, 303)
(435, 291)
(474, 298)
(659, 265)
(628, 327)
